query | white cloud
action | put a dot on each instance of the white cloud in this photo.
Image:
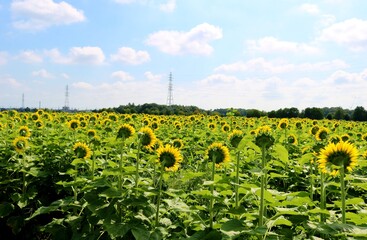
(41, 14)
(279, 66)
(123, 76)
(351, 33)
(43, 73)
(9, 81)
(83, 85)
(196, 41)
(3, 58)
(120, 93)
(153, 77)
(312, 9)
(130, 56)
(78, 55)
(30, 57)
(169, 6)
(273, 45)
(65, 76)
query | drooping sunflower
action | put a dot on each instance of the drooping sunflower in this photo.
(20, 144)
(322, 134)
(125, 131)
(82, 150)
(263, 137)
(169, 157)
(235, 138)
(24, 131)
(147, 137)
(334, 156)
(219, 153)
(283, 123)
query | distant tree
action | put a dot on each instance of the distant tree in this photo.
(359, 114)
(313, 113)
(339, 113)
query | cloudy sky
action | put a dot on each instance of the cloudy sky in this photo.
(242, 54)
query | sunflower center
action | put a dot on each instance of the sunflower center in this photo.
(339, 159)
(80, 152)
(145, 139)
(167, 159)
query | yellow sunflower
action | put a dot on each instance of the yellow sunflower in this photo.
(283, 123)
(73, 124)
(321, 134)
(333, 156)
(177, 143)
(169, 157)
(226, 128)
(147, 137)
(20, 144)
(219, 153)
(24, 131)
(81, 150)
(364, 137)
(235, 138)
(125, 131)
(91, 133)
(211, 126)
(292, 139)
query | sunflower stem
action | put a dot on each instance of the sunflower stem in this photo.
(263, 185)
(137, 165)
(159, 196)
(342, 186)
(323, 198)
(311, 180)
(211, 207)
(237, 177)
(93, 163)
(120, 166)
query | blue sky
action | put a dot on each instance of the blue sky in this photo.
(243, 54)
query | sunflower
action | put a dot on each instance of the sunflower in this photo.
(35, 116)
(20, 144)
(364, 137)
(211, 126)
(335, 139)
(345, 137)
(24, 131)
(314, 129)
(283, 123)
(81, 150)
(125, 131)
(177, 143)
(292, 139)
(333, 156)
(321, 134)
(39, 123)
(169, 157)
(219, 152)
(91, 133)
(263, 137)
(147, 137)
(235, 138)
(226, 128)
(74, 124)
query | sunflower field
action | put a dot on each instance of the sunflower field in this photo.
(135, 176)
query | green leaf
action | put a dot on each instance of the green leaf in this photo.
(116, 229)
(279, 221)
(232, 228)
(6, 209)
(281, 153)
(140, 233)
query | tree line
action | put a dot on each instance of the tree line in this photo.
(338, 113)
